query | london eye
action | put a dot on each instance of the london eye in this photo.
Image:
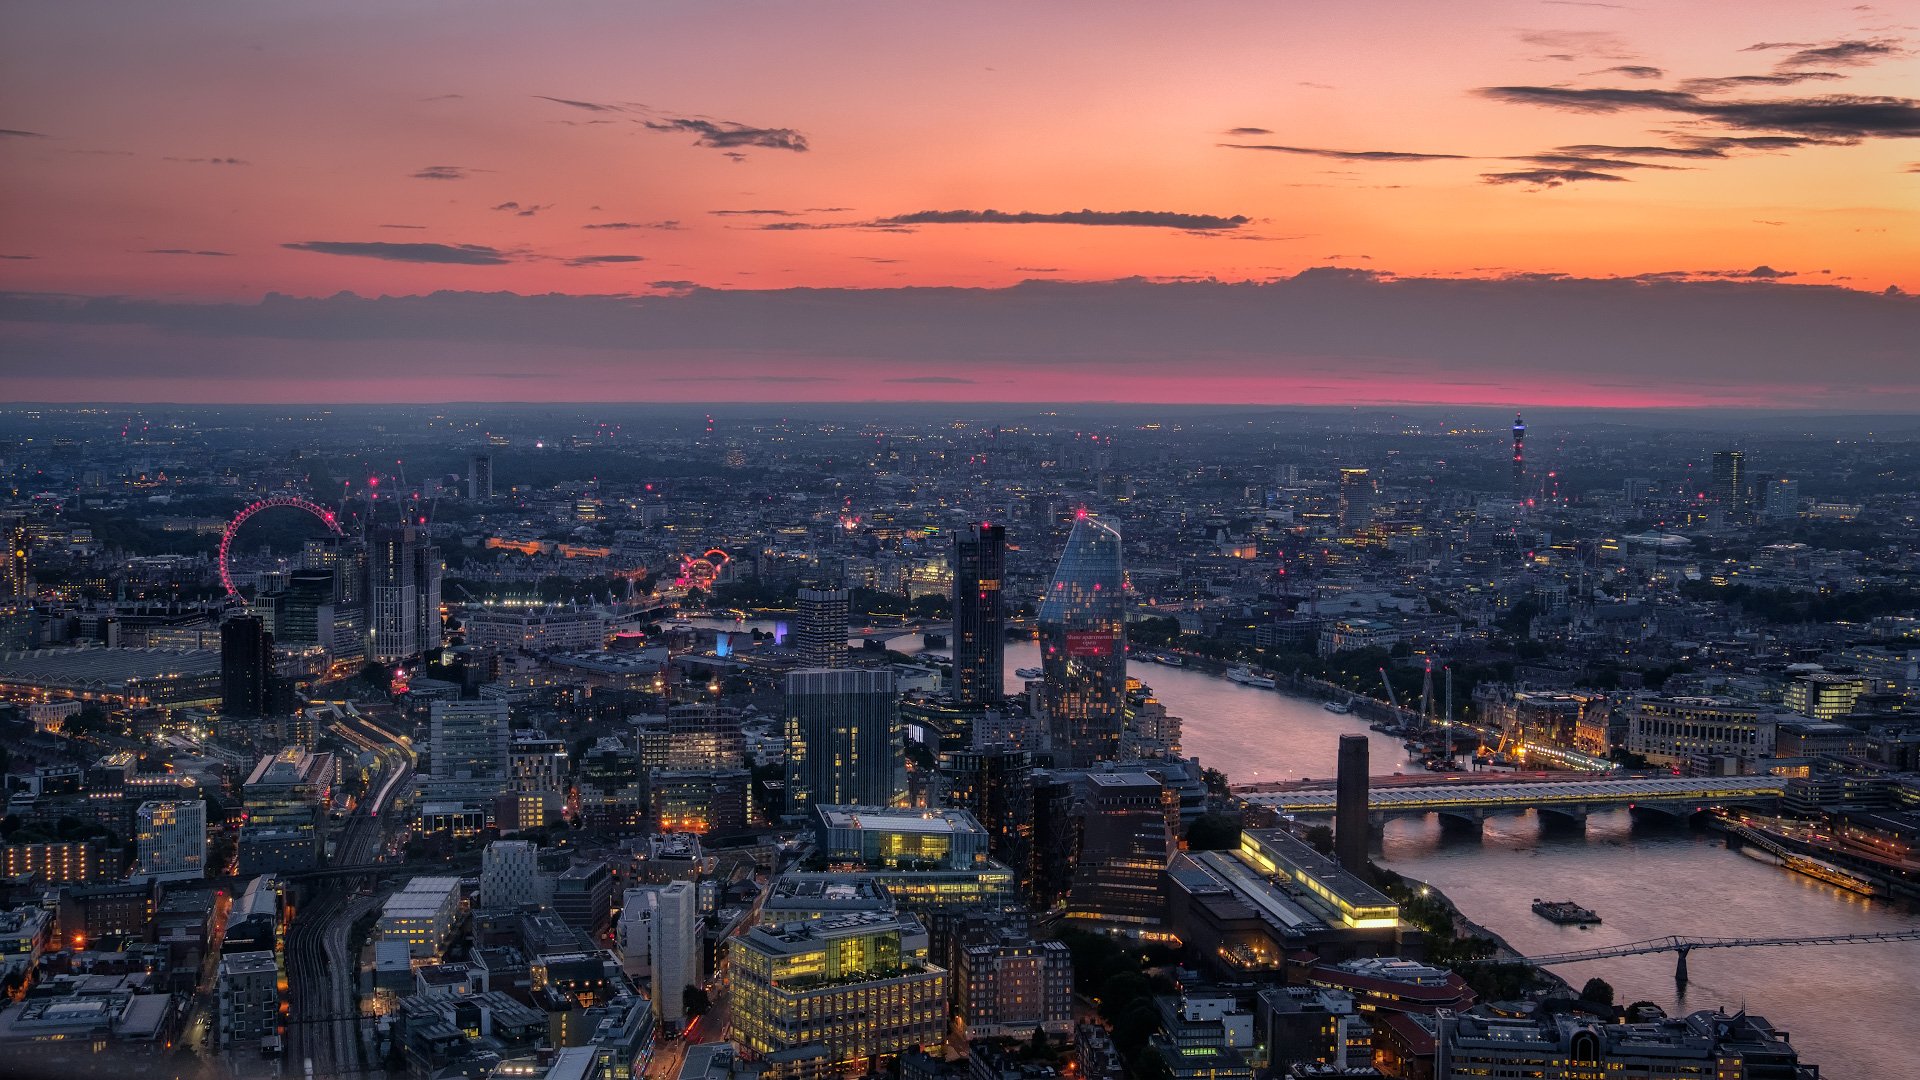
(293, 502)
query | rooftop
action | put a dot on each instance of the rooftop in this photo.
(905, 820)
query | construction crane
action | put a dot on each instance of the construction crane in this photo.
(1388, 683)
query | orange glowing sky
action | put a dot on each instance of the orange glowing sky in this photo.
(202, 151)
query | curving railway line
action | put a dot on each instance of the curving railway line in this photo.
(323, 1028)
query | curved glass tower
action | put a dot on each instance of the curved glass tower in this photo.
(1083, 647)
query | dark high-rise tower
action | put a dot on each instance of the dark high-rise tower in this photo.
(979, 620)
(1083, 647)
(403, 594)
(1356, 499)
(1519, 458)
(997, 786)
(1730, 482)
(1350, 805)
(246, 667)
(15, 577)
(16, 586)
(480, 477)
(844, 743)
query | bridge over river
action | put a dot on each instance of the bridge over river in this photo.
(1685, 945)
(1677, 796)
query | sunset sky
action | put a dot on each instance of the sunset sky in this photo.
(1637, 203)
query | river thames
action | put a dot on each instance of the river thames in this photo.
(1848, 1008)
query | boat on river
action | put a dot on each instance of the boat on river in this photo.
(1339, 707)
(1030, 673)
(1565, 913)
(1246, 676)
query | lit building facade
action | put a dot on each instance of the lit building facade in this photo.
(1356, 499)
(946, 839)
(1670, 731)
(172, 840)
(56, 862)
(422, 915)
(1083, 647)
(1824, 695)
(860, 986)
(821, 629)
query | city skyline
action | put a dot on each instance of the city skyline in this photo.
(1542, 203)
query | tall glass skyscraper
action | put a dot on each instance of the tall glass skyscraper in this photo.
(1083, 647)
(979, 620)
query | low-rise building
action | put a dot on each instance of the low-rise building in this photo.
(1006, 983)
(421, 915)
(880, 836)
(1567, 1046)
(249, 994)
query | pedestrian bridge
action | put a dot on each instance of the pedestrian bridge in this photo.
(1676, 796)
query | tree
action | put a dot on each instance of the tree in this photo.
(1214, 832)
(1320, 837)
(695, 1000)
(1597, 991)
(1123, 991)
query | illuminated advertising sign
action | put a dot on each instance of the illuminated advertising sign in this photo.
(1090, 643)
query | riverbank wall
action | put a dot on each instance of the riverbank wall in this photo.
(1465, 927)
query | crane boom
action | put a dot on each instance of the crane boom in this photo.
(1388, 683)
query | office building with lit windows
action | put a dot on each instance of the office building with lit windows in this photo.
(860, 986)
(1248, 910)
(820, 631)
(1083, 647)
(172, 840)
(1673, 730)
(421, 915)
(1823, 695)
(1126, 840)
(56, 862)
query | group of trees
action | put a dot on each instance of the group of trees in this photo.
(1794, 606)
(1448, 947)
